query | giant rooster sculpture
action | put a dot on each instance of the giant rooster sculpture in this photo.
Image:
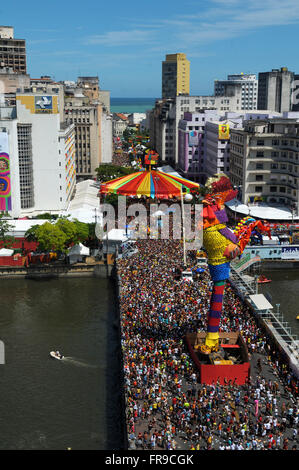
(222, 245)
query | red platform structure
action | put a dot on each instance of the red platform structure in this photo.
(231, 363)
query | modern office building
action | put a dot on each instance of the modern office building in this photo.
(275, 90)
(249, 87)
(175, 75)
(12, 50)
(264, 160)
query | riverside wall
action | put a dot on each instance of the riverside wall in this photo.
(56, 271)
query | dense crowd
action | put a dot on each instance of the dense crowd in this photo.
(166, 406)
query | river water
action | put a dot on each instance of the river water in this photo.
(51, 404)
(284, 290)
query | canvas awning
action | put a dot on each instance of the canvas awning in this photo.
(6, 252)
(79, 250)
(260, 302)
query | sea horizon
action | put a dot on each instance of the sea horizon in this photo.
(131, 105)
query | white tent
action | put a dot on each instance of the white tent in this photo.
(79, 250)
(77, 253)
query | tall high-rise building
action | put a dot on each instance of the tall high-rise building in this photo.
(12, 51)
(175, 75)
(249, 87)
(275, 90)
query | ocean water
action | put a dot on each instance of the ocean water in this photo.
(131, 105)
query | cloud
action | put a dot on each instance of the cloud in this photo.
(232, 19)
(121, 38)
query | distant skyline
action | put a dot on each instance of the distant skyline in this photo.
(124, 43)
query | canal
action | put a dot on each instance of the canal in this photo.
(51, 404)
(284, 290)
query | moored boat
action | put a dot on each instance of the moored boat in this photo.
(263, 280)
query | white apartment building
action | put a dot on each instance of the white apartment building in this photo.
(249, 89)
(42, 155)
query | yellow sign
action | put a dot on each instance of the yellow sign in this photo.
(223, 131)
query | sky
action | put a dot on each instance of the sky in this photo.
(125, 42)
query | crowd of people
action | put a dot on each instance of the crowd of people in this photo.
(166, 405)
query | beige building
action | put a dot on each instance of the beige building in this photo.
(264, 161)
(175, 75)
(93, 124)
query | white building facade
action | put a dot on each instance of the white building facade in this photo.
(249, 89)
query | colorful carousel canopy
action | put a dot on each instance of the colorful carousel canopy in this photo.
(149, 183)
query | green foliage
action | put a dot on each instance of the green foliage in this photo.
(6, 241)
(51, 238)
(111, 199)
(106, 172)
(47, 216)
(31, 234)
(58, 236)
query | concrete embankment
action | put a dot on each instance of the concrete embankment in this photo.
(280, 264)
(56, 271)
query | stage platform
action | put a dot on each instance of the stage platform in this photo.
(230, 363)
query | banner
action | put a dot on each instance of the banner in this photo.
(290, 252)
(223, 132)
(193, 138)
(5, 185)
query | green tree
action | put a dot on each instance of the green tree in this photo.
(31, 234)
(69, 229)
(82, 231)
(6, 240)
(107, 172)
(51, 238)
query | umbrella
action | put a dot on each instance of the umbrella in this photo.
(150, 183)
(158, 214)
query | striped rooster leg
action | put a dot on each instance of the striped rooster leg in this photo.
(214, 316)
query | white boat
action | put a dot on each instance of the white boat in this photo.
(56, 355)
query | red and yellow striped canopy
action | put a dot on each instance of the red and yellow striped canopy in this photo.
(149, 183)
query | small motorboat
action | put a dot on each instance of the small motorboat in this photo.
(297, 318)
(263, 280)
(56, 355)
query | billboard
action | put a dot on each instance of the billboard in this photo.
(5, 185)
(43, 104)
(193, 138)
(223, 132)
(290, 252)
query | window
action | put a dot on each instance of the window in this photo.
(259, 177)
(273, 189)
(258, 189)
(260, 142)
(259, 166)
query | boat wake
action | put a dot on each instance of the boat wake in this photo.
(77, 362)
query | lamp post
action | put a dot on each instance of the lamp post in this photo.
(183, 220)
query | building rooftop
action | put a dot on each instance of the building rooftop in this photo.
(262, 211)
